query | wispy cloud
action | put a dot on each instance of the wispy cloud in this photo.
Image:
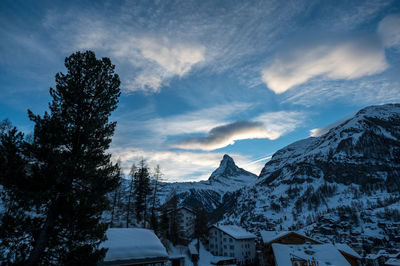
(153, 132)
(389, 30)
(266, 126)
(156, 59)
(225, 135)
(350, 59)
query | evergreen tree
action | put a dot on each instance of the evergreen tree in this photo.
(157, 177)
(117, 193)
(132, 176)
(174, 218)
(164, 224)
(16, 226)
(68, 173)
(201, 226)
(142, 190)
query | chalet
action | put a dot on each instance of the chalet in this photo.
(349, 254)
(185, 218)
(232, 242)
(376, 259)
(281, 237)
(307, 254)
(133, 246)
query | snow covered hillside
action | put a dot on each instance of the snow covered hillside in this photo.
(342, 186)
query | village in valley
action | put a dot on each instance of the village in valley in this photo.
(229, 245)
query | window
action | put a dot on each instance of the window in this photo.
(232, 246)
(224, 239)
(230, 240)
(231, 254)
(225, 246)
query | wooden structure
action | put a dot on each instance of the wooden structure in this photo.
(283, 237)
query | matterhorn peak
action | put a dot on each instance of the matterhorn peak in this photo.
(228, 169)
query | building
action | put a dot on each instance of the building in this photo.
(287, 246)
(185, 219)
(307, 254)
(232, 241)
(133, 246)
(281, 237)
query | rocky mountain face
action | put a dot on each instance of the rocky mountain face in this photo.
(363, 150)
(210, 194)
(343, 186)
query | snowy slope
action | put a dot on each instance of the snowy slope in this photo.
(343, 186)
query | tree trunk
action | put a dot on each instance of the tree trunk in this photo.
(41, 242)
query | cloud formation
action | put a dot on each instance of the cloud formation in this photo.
(225, 135)
(389, 30)
(157, 60)
(266, 126)
(349, 59)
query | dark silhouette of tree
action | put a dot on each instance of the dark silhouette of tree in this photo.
(68, 173)
(174, 220)
(201, 226)
(164, 224)
(117, 193)
(157, 177)
(142, 190)
(132, 176)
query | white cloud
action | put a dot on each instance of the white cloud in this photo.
(148, 61)
(225, 135)
(197, 121)
(176, 59)
(266, 126)
(389, 30)
(349, 59)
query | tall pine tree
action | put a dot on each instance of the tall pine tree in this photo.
(69, 170)
(142, 190)
(157, 177)
(132, 176)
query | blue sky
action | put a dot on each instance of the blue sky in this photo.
(205, 78)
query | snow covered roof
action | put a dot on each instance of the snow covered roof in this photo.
(132, 243)
(324, 254)
(269, 236)
(347, 249)
(392, 261)
(235, 231)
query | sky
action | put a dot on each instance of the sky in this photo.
(201, 79)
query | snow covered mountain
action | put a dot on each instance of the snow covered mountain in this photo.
(362, 150)
(342, 186)
(226, 179)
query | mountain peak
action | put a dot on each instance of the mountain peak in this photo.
(228, 169)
